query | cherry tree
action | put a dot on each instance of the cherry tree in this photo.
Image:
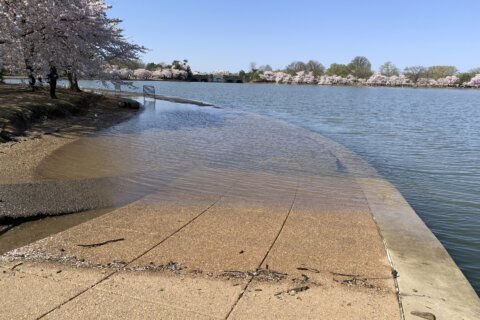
(142, 74)
(400, 80)
(268, 76)
(377, 79)
(179, 74)
(474, 82)
(309, 78)
(157, 74)
(448, 81)
(298, 77)
(284, 78)
(166, 74)
(76, 34)
(426, 82)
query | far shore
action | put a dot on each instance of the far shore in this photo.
(356, 85)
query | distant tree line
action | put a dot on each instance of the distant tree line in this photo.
(359, 71)
(138, 70)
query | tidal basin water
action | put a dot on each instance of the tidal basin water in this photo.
(425, 141)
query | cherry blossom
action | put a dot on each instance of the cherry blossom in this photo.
(377, 79)
(474, 82)
(142, 74)
(448, 81)
(76, 34)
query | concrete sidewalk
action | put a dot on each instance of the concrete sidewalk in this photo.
(258, 247)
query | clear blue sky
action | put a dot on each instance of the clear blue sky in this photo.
(229, 34)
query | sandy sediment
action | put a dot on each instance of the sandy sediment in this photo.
(34, 128)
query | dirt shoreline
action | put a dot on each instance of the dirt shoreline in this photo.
(32, 131)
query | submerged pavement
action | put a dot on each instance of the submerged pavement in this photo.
(254, 247)
(232, 216)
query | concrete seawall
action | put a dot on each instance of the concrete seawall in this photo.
(428, 278)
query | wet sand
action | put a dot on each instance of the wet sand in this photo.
(20, 187)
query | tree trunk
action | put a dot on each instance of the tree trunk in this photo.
(75, 84)
(72, 79)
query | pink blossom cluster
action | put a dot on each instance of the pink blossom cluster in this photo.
(474, 82)
(143, 74)
(338, 80)
(448, 81)
(77, 35)
(378, 79)
(398, 81)
(277, 77)
(113, 72)
(282, 77)
(166, 74)
(301, 77)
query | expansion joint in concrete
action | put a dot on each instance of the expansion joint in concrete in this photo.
(251, 278)
(136, 258)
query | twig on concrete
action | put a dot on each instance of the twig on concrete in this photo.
(17, 265)
(100, 243)
(308, 269)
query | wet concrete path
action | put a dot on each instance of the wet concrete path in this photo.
(229, 216)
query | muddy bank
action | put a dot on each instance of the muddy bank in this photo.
(21, 108)
(32, 126)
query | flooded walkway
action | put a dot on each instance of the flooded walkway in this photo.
(218, 215)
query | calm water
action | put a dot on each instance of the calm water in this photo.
(425, 141)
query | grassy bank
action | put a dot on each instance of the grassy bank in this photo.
(20, 108)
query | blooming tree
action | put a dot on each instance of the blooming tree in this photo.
(76, 34)
(268, 76)
(179, 74)
(142, 74)
(400, 80)
(474, 82)
(425, 82)
(448, 81)
(377, 79)
(166, 74)
(282, 77)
